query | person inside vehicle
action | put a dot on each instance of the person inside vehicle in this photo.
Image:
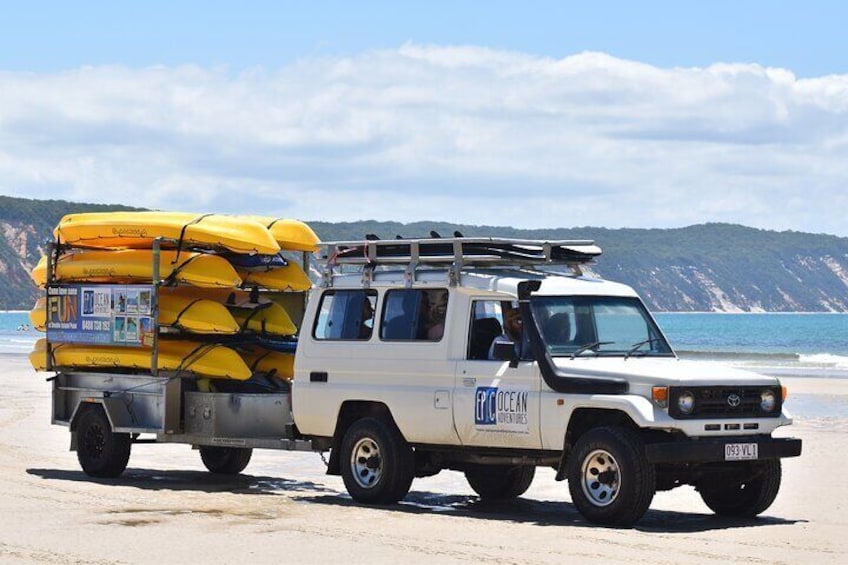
(437, 308)
(367, 322)
(513, 330)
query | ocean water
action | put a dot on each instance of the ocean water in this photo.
(779, 344)
(16, 333)
(783, 344)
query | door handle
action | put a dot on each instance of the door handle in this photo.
(469, 381)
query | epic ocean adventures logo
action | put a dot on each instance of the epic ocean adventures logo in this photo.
(501, 409)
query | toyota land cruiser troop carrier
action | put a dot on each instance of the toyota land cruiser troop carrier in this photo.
(486, 356)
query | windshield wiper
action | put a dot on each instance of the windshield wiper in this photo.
(636, 346)
(588, 346)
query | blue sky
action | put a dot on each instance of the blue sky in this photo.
(533, 114)
(804, 36)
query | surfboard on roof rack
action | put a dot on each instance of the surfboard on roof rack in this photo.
(462, 250)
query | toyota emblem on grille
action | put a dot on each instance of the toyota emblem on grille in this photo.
(734, 400)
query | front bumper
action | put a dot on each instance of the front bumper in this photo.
(708, 450)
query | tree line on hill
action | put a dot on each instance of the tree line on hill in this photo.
(708, 267)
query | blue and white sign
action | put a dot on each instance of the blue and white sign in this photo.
(501, 409)
(101, 314)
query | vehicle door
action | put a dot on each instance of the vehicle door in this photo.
(495, 404)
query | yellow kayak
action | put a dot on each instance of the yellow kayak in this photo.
(137, 230)
(136, 266)
(197, 316)
(207, 360)
(290, 277)
(269, 314)
(266, 361)
(291, 235)
(267, 318)
(38, 314)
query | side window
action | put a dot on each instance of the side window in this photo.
(410, 315)
(496, 321)
(486, 325)
(346, 315)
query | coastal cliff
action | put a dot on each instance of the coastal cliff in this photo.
(708, 267)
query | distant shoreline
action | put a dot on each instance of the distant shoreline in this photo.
(752, 313)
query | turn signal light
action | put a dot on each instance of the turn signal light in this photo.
(660, 395)
(784, 392)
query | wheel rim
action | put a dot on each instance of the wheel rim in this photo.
(366, 463)
(94, 440)
(600, 478)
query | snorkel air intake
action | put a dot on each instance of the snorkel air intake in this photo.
(554, 378)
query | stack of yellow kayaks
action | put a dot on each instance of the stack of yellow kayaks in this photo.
(215, 318)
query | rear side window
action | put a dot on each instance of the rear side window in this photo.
(346, 315)
(410, 315)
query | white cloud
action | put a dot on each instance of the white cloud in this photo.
(463, 134)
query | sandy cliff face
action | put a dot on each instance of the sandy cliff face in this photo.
(801, 283)
(17, 257)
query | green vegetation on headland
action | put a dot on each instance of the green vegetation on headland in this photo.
(709, 267)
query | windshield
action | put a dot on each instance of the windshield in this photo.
(573, 326)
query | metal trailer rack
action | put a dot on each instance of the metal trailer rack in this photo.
(157, 403)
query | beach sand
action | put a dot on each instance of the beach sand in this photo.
(167, 509)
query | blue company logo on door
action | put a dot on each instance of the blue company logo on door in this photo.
(501, 408)
(485, 413)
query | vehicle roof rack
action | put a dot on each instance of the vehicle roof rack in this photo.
(456, 253)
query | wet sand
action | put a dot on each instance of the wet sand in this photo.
(167, 509)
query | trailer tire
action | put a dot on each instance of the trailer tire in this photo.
(377, 464)
(744, 499)
(500, 482)
(101, 452)
(225, 460)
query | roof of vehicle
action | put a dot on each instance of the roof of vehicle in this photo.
(486, 264)
(493, 280)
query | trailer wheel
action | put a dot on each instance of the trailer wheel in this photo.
(747, 498)
(377, 464)
(101, 452)
(225, 460)
(500, 482)
(609, 478)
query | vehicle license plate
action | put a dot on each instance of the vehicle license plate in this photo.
(740, 451)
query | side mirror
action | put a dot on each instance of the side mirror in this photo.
(505, 351)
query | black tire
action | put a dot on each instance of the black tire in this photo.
(377, 464)
(744, 499)
(610, 480)
(500, 482)
(101, 452)
(225, 460)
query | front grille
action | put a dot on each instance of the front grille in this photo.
(723, 402)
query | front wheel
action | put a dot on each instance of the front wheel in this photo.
(101, 452)
(610, 480)
(746, 498)
(225, 460)
(377, 464)
(500, 482)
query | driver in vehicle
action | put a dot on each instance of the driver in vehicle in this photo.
(513, 330)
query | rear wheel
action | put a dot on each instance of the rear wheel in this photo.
(500, 482)
(101, 452)
(610, 480)
(745, 498)
(377, 464)
(225, 460)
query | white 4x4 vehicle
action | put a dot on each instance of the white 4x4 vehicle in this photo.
(404, 367)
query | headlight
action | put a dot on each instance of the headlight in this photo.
(767, 401)
(686, 402)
